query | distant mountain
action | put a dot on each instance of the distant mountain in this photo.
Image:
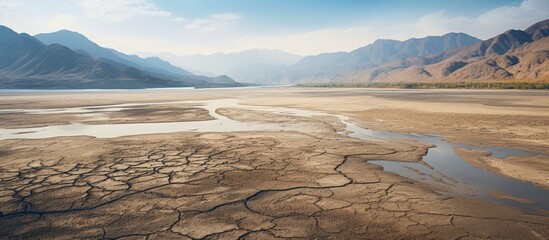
(243, 66)
(512, 55)
(79, 42)
(26, 62)
(341, 66)
(539, 30)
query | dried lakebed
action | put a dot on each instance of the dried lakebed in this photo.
(441, 168)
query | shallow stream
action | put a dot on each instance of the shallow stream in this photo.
(441, 168)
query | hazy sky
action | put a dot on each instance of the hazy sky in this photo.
(298, 26)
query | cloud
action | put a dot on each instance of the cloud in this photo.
(215, 22)
(161, 31)
(228, 17)
(7, 4)
(327, 40)
(179, 19)
(487, 24)
(63, 21)
(526, 13)
(116, 10)
(484, 26)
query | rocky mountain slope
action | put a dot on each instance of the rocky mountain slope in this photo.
(342, 65)
(79, 42)
(515, 55)
(25, 62)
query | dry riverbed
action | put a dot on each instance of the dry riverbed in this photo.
(314, 182)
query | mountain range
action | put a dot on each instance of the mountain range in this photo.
(67, 59)
(337, 66)
(82, 44)
(246, 66)
(27, 62)
(515, 55)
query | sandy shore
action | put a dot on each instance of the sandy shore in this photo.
(532, 169)
(138, 114)
(262, 185)
(514, 118)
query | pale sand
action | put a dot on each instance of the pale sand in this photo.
(533, 169)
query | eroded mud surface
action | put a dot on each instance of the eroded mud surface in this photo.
(276, 185)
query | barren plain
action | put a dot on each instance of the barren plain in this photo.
(275, 163)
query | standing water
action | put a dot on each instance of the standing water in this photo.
(441, 167)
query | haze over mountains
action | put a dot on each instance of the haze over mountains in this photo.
(247, 66)
(334, 66)
(67, 59)
(26, 62)
(514, 55)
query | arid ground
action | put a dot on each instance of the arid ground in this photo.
(271, 163)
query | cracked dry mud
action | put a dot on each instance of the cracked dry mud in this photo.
(315, 184)
(238, 185)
